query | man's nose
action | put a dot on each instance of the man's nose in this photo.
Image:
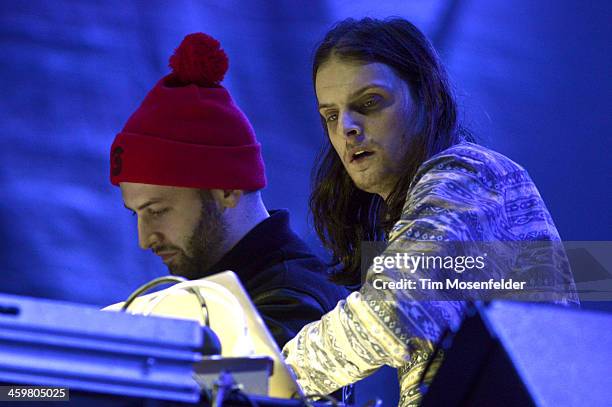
(147, 237)
(351, 125)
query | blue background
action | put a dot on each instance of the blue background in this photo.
(533, 80)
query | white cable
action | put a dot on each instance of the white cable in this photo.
(243, 344)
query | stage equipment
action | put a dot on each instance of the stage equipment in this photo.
(44, 342)
(526, 354)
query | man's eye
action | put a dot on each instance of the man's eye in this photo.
(158, 213)
(369, 103)
(331, 118)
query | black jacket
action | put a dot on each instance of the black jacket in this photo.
(286, 281)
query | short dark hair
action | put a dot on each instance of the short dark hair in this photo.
(343, 215)
(206, 196)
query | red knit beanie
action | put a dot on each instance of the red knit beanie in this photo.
(188, 132)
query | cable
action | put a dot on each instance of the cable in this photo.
(243, 345)
(164, 280)
(240, 393)
(225, 293)
(226, 386)
(147, 286)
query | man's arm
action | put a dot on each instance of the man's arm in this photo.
(362, 333)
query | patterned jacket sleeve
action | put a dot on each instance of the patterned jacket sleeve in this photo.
(446, 201)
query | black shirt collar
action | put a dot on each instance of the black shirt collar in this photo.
(257, 246)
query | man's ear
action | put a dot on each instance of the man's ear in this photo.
(227, 198)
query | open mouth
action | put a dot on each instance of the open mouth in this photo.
(360, 155)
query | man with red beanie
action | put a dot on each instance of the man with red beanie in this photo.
(189, 166)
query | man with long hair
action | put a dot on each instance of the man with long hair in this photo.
(399, 168)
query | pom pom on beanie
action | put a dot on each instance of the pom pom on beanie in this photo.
(200, 60)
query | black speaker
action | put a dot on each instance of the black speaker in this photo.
(526, 354)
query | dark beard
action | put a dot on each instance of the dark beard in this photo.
(205, 246)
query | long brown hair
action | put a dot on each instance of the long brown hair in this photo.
(343, 215)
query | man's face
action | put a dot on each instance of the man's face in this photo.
(368, 110)
(182, 226)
